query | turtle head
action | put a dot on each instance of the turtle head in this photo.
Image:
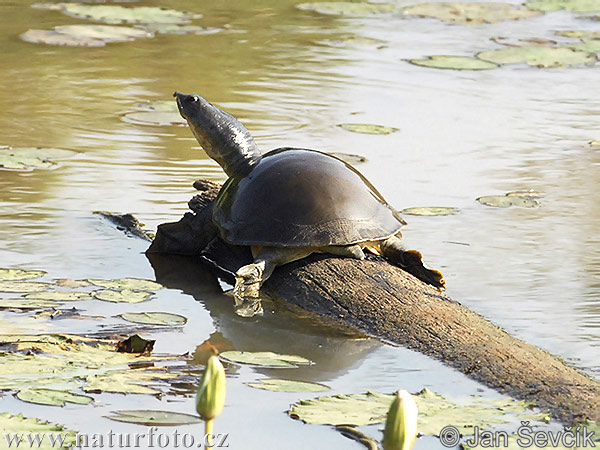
(221, 135)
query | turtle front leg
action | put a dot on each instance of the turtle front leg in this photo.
(249, 278)
(411, 261)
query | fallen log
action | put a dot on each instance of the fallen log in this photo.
(388, 303)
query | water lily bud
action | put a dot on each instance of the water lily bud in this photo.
(401, 424)
(210, 397)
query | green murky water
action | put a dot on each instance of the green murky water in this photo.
(292, 76)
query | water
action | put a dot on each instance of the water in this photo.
(534, 272)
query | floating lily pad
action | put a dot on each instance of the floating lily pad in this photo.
(454, 62)
(586, 45)
(171, 28)
(523, 42)
(580, 6)
(349, 157)
(29, 158)
(469, 13)
(155, 318)
(59, 296)
(20, 274)
(67, 283)
(51, 37)
(128, 283)
(430, 211)
(124, 296)
(538, 56)
(367, 128)
(106, 33)
(154, 118)
(23, 303)
(154, 418)
(18, 424)
(526, 199)
(580, 34)
(264, 359)
(278, 385)
(52, 397)
(115, 14)
(435, 411)
(136, 344)
(23, 286)
(348, 8)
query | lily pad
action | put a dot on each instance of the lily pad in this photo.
(23, 303)
(523, 199)
(367, 128)
(115, 14)
(20, 274)
(469, 13)
(51, 37)
(580, 6)
(586, 45)
(154, 418)
(538, 56)
(348, 8)
(18, 424)
(278, 385)
(52, 397)
(59, 296)
(23, 286)
(435, 411)
(523, 42)
(29, 158)
(264, 359)
(454, 62)
(350, 158)
(172, 28)
(106, 33)
(68, 283)
(155, 318)
(128, 283)
(579, 34)
(430, 211)
(124, 296)
(154, 118)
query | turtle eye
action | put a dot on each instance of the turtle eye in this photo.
(195, 98)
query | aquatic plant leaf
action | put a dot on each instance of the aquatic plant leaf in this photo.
(586, 45)
(154, 118)
(538, 56)
(136, 284)
(155, 318)
(23, 286)
(367, 128)
(29, 158)
(51, 37)
(430, 211)
(52, 397)
(580, 6)
(523, 42)
(264, 359)
(172, 28)
(469, 13)
(68, 283)
(124, 296)
(130, 381)
(348, 8)
(115, 14)
(106, 33)
(10, 425)
(349, 157)
(505, 201)
(23, 303)
(435, 411)
(20, 274)
(136, 344)
(454, 62)
(278, 385)
(59, 296)
(153, 418)
(580, 34)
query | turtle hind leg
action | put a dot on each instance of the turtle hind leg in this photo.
(249, 278)
(411, 261)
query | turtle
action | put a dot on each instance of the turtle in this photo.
(291, 202)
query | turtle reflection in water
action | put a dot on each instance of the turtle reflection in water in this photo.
(291, 202)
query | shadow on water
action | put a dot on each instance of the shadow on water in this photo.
(334, 348)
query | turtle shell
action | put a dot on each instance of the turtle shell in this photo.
(302, 198)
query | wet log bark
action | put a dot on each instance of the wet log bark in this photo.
(388, 303)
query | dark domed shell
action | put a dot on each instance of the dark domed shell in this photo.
(302, 198)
